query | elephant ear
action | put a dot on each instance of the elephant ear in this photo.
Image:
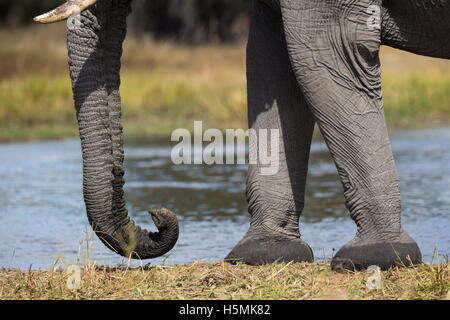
(95, 50)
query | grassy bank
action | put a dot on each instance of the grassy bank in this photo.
(166, 86)
(224, 281)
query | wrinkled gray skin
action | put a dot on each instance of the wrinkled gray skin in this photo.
(308, 62)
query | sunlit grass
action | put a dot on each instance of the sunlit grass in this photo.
(166, 86)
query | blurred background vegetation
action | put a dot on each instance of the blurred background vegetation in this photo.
(189, 21)
(183, 60)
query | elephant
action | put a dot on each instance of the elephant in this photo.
(309, 62)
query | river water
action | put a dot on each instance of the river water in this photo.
(42, 213)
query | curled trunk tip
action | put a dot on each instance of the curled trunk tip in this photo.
(133, 242)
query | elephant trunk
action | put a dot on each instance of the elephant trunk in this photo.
(95, 48)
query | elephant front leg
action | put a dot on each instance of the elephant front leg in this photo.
(334, 46)
(275, 106)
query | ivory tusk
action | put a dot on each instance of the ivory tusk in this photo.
(66, 10)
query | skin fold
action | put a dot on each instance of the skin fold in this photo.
(308, 62)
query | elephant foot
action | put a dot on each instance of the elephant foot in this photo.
(258, 251)
(359, 254)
